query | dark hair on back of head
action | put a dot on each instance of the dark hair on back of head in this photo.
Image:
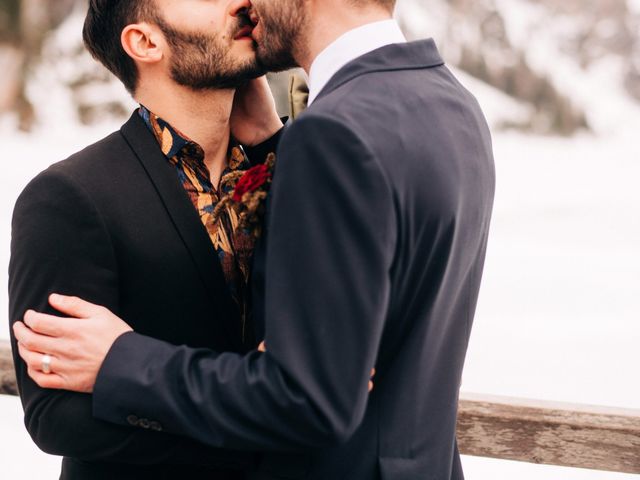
(103, 26)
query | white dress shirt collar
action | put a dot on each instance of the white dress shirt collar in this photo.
(348, 47)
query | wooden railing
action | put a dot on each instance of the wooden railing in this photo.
(550, 433)
(598, 438)
(7, 376)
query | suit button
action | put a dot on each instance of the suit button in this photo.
(132, 420)
(155, 426)
(144, 423)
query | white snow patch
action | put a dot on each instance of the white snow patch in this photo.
(20, 459)
(634, 6)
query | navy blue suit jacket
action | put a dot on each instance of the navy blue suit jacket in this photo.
(376, 237)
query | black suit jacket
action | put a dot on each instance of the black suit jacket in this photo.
(377, 230)
(113, 224)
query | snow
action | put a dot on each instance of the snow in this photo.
(596, 88)
(560, 302)
(634, 6)
(19, 457)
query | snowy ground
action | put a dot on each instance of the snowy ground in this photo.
(560, 305)
(559, 310)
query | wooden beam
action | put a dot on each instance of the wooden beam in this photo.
(550, 433)
(8, 384)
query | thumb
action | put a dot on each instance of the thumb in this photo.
(73, 306)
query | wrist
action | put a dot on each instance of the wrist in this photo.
(268, 130)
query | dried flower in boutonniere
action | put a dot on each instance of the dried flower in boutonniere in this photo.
(249, 194)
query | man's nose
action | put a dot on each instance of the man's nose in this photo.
(239, 7)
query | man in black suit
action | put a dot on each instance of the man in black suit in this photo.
(126, 224)
(376, 236)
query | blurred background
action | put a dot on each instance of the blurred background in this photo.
(559, 81)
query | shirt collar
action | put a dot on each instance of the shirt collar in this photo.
(171, 141)
(178, 148)
(348, 47)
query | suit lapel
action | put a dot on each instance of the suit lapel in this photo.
(186, 221)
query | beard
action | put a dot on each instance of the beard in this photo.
(282, 27)
(204, 62)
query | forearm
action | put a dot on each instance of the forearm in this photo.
(223, 400)
(61, 423)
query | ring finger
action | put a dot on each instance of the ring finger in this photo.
(35, 360)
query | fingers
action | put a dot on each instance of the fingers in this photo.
(73, 306)
(34, 359)
(34, 341)
(34, 369)
(263, 83)
(45, 324)
(44, 380)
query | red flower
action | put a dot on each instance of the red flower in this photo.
(251, 181)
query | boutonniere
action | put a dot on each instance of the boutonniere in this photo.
(247, 195)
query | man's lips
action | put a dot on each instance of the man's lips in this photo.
(245, 32)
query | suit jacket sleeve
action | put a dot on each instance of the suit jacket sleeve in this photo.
(331, 241)
(60, 244)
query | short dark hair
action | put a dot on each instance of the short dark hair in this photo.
(103, 26)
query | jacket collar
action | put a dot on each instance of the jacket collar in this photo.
(406, 56)
(186, 221)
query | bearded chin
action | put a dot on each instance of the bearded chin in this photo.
(275, 56)
(278, 62)
(203, 62)
(202, 77)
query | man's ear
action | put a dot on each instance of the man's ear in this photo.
(142, 43)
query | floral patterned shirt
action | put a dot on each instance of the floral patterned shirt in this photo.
(233, 243)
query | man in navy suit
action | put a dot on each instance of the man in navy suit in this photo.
(375, 241)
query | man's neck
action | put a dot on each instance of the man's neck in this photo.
(325, 27)
(202, 116)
